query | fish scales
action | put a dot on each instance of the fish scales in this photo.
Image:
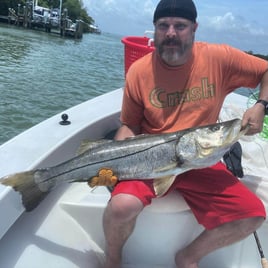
(131, 158)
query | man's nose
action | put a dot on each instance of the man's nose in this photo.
(171, 32)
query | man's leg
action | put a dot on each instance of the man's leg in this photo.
(219, 237)
(216, 197)
(118, 222)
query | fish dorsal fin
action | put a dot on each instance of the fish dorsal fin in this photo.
(162, 185)
(89, 145)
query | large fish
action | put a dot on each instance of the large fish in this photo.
(158, 156)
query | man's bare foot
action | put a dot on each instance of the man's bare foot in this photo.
(112, 263)
(183, 262)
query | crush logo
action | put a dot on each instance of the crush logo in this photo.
(159, 98)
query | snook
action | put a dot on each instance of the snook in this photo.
(159, 156)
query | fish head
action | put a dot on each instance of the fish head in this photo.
(217, 137)
(204, 146)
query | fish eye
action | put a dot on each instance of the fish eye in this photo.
(215, 128)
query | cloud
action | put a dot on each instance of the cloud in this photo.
(239, 23)
(121, 16)
(229, 22)
(234, 30)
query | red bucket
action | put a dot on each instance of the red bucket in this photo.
(135, 48)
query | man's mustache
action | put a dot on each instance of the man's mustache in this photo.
(171, 42)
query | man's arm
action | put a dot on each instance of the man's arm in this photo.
(125, 131)
(254, 116)
(264, 87)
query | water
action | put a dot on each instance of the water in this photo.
(43, 74)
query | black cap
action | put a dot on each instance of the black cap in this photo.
(175, 8)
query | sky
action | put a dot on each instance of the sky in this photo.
(239, 23)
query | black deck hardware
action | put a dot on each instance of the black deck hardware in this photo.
(65, 120)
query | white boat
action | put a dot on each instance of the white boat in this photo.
(65, 230)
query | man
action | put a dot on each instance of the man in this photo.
(183, 84)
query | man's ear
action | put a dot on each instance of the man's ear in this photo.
(195, 26)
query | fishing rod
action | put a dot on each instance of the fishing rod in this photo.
(264, 261)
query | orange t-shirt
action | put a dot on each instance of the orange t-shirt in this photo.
(159, 98)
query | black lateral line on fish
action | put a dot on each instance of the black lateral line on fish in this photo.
(76, 168)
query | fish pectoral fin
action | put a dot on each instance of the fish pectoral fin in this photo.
(105, 177)
(170, 166)
(162, 185)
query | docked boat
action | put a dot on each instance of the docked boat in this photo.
(65, 230)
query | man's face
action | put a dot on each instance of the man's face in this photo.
(174, 39)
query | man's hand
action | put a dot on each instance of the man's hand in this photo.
(253, 117)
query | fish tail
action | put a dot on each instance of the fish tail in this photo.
(25, 184)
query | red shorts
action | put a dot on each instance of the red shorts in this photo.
(214, 195)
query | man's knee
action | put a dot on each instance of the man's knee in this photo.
(254, 224)
(124, 207)
(245, 226)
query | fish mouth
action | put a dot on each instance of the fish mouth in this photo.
(223, 137)
(235, 131)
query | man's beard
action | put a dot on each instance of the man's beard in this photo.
(173, 55)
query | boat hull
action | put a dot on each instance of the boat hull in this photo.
(65, 230)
